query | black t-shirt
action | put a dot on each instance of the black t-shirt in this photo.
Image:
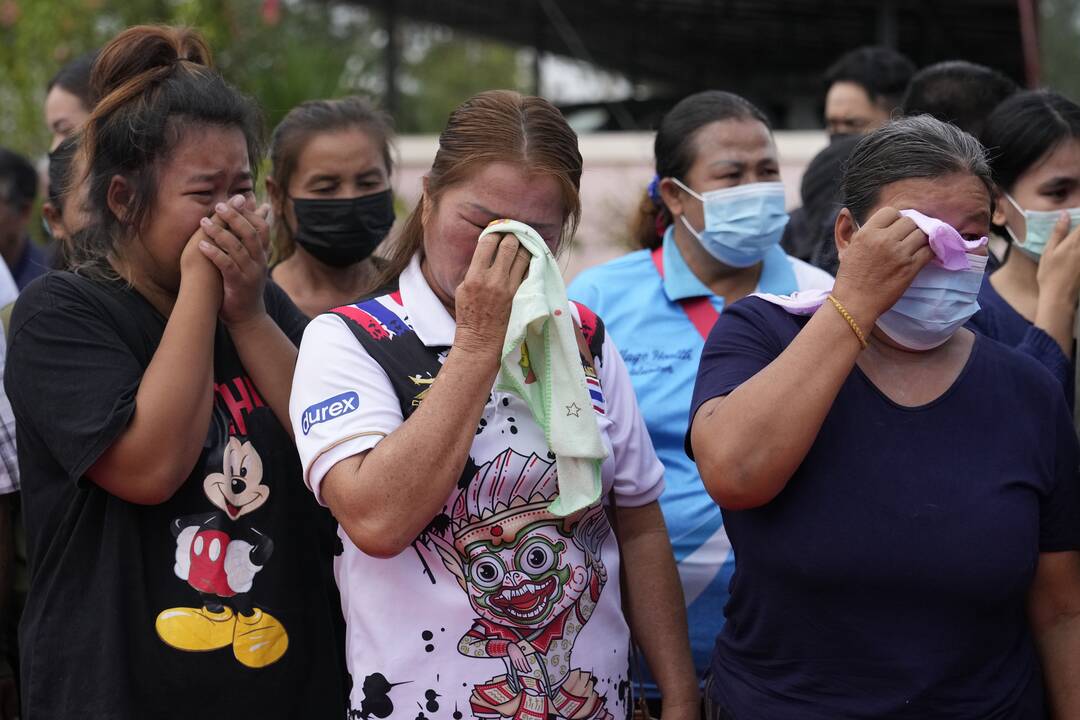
(214, 604)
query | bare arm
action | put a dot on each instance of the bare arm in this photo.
(747, 450)
(1054, 609)
(384, 498)
(238, 234)
(656, 608)
(269, 357)
(161, 444)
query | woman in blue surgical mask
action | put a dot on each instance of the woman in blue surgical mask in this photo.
(333, 205)
(1033, 139)
(901, 493)
(710, 228)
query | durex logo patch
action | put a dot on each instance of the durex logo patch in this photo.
(329, 409)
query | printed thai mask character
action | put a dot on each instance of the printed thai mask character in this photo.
(238, 489)
(219, 554)
(534, 580)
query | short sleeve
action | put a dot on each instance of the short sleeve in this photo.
(71, 378)
(584, 291)
(745, 339)
(638, 474)
(342, 402)
(1059, 510)
(284, 312)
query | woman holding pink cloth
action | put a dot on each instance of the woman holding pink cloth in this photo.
(903, 553)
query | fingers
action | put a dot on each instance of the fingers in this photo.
(914, 240)
(504, 256)
(922, 256)
(245, 223)
(223, 239)
(520, 267)
(484, 255)
(1057, 235)
(883, 218)
(221, 259)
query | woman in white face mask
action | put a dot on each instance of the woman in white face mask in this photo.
(710, 228)
(901, 493)
(1030, 303)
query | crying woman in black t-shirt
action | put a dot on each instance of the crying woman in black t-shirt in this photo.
(179, 568)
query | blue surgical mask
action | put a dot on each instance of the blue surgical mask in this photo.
(742, 223)
(1039, 225)
(935, 305)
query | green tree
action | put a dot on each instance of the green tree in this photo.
(309, 49)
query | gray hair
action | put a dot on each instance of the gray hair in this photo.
(913, 147)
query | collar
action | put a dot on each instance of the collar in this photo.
(680, 282)
(427, 315)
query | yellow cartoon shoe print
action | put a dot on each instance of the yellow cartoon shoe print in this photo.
(219, 554)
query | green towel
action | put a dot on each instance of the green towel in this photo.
(541, 338)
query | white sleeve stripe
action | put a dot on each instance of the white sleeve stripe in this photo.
(339, 441)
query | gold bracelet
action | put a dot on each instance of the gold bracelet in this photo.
(850, 321)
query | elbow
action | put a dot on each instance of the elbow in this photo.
(733, 486)
(155, 495)
(151, 487)
(375, 538)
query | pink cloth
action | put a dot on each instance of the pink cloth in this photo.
(949, 248)
(803, 302)
(945, 241)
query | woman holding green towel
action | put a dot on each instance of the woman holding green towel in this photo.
(465, 586)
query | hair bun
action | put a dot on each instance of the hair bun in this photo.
(143, 49)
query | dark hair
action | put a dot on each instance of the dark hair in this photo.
(882, 72)
(153, 83)
(821, 197)
(60, 162)
(1023, 128)
(18, 179)
(74, 77)
(675, 149)
(959, 92)
(495, 126)
(312, 118)
(913, 147)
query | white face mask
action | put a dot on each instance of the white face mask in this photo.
(936, 304)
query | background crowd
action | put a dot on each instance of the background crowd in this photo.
(833, 468)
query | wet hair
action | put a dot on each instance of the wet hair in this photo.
(495, 126)
(74, 77)
(154, 84)
(1024, 128)
(308, 120)
(882, 72)
(675, 149)
(959, 92)
(18, 180)
(913, 147)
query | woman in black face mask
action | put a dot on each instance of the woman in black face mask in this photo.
(330, 187)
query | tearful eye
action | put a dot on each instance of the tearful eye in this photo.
(487, 572)
(537, 558)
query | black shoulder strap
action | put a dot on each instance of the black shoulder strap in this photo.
(410, 365)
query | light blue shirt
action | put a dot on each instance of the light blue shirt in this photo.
(661, 348)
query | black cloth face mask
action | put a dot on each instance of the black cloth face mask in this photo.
(341, 232)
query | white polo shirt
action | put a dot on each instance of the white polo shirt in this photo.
(498, 609)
